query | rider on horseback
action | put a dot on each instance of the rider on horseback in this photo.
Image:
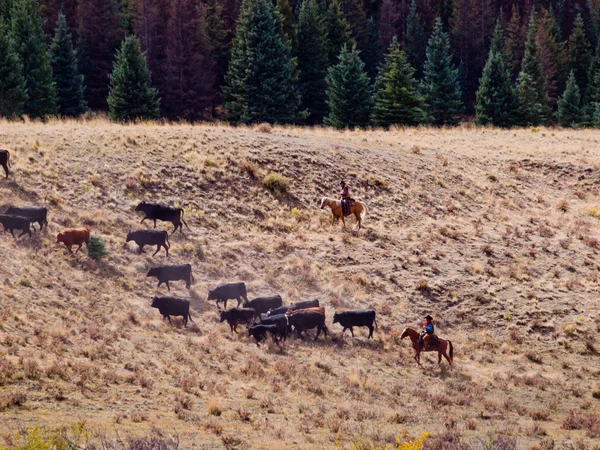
(345, 198)
(427, 332)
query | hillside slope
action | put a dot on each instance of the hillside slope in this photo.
(494, 233)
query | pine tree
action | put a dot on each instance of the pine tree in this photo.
(440, 86)
(187, 93)
(355, 15)
(99, 35)
(96, 249)
(569, 112)
(312, 60)
(28, 37)
(13, 93)
(131, 95)
(514, 47)
(552, 56)
(580, 56)
(496, 98)
(5, 8)
(220, 45)
(371, 54)
(287, 17)
(69, 82)
(415, 42)
(397, 100)
(261, 83)
(338, 32)
(592, 94)
(389, 15)
(533, 98)
(348, 92)
(445, 10)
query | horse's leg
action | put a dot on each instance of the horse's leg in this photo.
(439, 357)
(343, 222)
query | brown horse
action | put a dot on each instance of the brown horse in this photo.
(359, 209)
(441, 346)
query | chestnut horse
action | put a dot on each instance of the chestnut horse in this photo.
(440, 347)
(359, 209)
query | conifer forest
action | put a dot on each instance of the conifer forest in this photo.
(341, 63)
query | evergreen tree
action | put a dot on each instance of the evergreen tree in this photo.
(355, 15)
(187, 93)
(261, 83)
(440, 85)
(388, 17)
(569, 112)
(580, 56)
(131, 95)
(496, 98)
(5, 7)
(312, 60)
(533, 98)
(287, 17)
(592, 93)
(371, 53)
(69, 82)
(13, 93)
(96, 249)
(28, 37)
(396, 98)
(348, 92)
(552, 56)
(338, 32)
(514, 48)
(99, 35)
(220, 45)
(415, 42)
(445, 10)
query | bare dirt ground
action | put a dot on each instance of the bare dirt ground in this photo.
(495, 233)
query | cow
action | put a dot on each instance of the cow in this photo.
(231, 291)
(294, 307)
(156, 211)
(282, 322)
(5, 160)
(164, 274)
(263, 304)
(350, 319)
(308, 320)
(235, 316)
(172, 306)
(11, 223)
(259, 332)
(74, 236)
(319, 309)
(150, 237)
(38, 215)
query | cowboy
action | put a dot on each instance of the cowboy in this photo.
(345, 197)
(427, 332)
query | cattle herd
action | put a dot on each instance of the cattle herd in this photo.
(280, 321)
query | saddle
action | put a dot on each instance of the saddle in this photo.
(433, 340)
(346, 205)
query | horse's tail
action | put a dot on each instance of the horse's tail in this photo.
(363, 214)
(451, 350)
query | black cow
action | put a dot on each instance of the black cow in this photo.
(307, 320)
(38, 215)
(231, 291)
(11, 223)
(172, 306)
(164, 274)
(156, 211)
(259, 332)
(5, 160)
(281, 320)
(263, 304)
(293, 307)
(350, 319)
(235, 316)
(150, 237)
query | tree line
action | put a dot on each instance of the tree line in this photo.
(343, 63)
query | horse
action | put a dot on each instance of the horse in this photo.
(441, 346)
(359, 209)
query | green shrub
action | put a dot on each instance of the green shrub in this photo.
(96, 248)
(276, 183)
(199, 250)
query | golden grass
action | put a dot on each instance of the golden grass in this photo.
(497, 239)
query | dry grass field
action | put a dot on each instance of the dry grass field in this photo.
(495, 233)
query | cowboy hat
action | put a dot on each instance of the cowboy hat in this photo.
(428, 317)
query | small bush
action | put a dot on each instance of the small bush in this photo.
(96, 248)
(276, 183)
(199, 250)
(250, 168)
(264, 128)
(214, 408)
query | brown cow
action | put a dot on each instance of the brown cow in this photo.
(74, 236)
(315, 309)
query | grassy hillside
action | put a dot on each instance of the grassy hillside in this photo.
(494, 233)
